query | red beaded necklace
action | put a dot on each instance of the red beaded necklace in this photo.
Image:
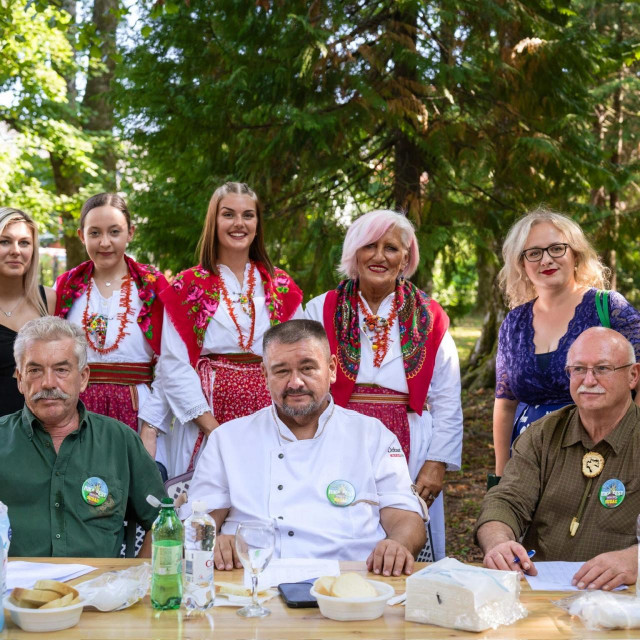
(245, 345)
(382, 328)
(125, 300)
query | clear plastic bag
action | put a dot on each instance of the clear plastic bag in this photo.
(458, 596)
(116, 590)
(603, 610)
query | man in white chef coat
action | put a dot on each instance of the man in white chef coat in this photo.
(335, 482)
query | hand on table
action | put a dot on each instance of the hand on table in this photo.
(429, 480)
(501, 557)
(608, 570)
(225, 557)
(390, 558)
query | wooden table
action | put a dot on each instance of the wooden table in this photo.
(141, 622)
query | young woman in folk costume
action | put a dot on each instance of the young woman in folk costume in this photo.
(218, 311)
(396, 359)
(115, 300)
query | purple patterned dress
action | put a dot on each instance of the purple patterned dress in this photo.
(539, 382)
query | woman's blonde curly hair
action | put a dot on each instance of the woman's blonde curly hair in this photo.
(513, 280)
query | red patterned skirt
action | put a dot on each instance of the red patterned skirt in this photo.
(239, 388)
(389, 406)
(112, 389)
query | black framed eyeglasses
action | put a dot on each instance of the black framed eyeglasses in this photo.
(535, 254)
(599, 371)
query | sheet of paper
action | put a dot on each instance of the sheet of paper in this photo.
(293, 570)
(26, 574)
(555, 576)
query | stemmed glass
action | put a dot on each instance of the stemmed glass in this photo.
(255, 541)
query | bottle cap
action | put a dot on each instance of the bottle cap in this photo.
(167, 502)
(199, 506)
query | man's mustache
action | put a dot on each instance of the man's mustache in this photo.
(296, 392)
(584, 389)
(50, 394)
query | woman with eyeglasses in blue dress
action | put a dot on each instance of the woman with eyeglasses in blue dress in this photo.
(553, 282)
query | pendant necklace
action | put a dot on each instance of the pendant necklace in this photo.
(592, 466)
(10, 313)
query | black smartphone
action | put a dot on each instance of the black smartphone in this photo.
(296, 595)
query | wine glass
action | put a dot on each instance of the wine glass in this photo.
(255, 542)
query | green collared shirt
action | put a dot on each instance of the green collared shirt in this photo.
(542, 486)
(43, 490)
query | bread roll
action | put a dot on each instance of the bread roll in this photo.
(352, 585)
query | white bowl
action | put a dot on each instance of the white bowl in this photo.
(355, 608)
(44, 619)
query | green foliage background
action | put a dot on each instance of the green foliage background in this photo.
(464, 113)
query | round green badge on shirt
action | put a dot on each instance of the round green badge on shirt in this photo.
(94, 491)
(341, 493)
(612, 493)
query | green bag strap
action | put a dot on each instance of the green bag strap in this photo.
(602, 307)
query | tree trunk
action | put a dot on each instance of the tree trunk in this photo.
(96, 97)
(481, 368)
(67, 178)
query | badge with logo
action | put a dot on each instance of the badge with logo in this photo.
(94, 491)
(612, 493)
(341, 493)
(395, 452)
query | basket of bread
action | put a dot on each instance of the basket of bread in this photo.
(351, 597)
(48, 606)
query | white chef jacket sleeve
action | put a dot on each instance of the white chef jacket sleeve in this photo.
(446, 406)
(393, 482)
(210, 482)
(178, 379)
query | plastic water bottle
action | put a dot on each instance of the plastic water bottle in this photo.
(199, 542)
(5, 538)
(167, 535)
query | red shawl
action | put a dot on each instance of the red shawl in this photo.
(194, 295)
(423, 324)
(149, 281)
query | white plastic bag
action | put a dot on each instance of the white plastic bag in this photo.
(604, 610)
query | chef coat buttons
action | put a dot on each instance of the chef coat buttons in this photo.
(280, 487)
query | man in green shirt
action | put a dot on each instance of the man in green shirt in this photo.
(571, 490)
(68, 475)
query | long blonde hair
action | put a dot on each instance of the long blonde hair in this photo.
(513, 280)
(30, 279)
(208, 243)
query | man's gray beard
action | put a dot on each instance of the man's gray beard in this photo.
(296, 412)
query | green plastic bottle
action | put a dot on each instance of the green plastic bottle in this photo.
(167, 535)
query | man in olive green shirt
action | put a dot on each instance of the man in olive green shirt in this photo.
(68, 475)
(571, 490)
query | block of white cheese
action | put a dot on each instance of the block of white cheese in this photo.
(451, 594)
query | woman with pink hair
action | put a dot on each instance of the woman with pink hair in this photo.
(396, 359)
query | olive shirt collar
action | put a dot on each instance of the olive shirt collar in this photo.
(29, 420)
(618, 439)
